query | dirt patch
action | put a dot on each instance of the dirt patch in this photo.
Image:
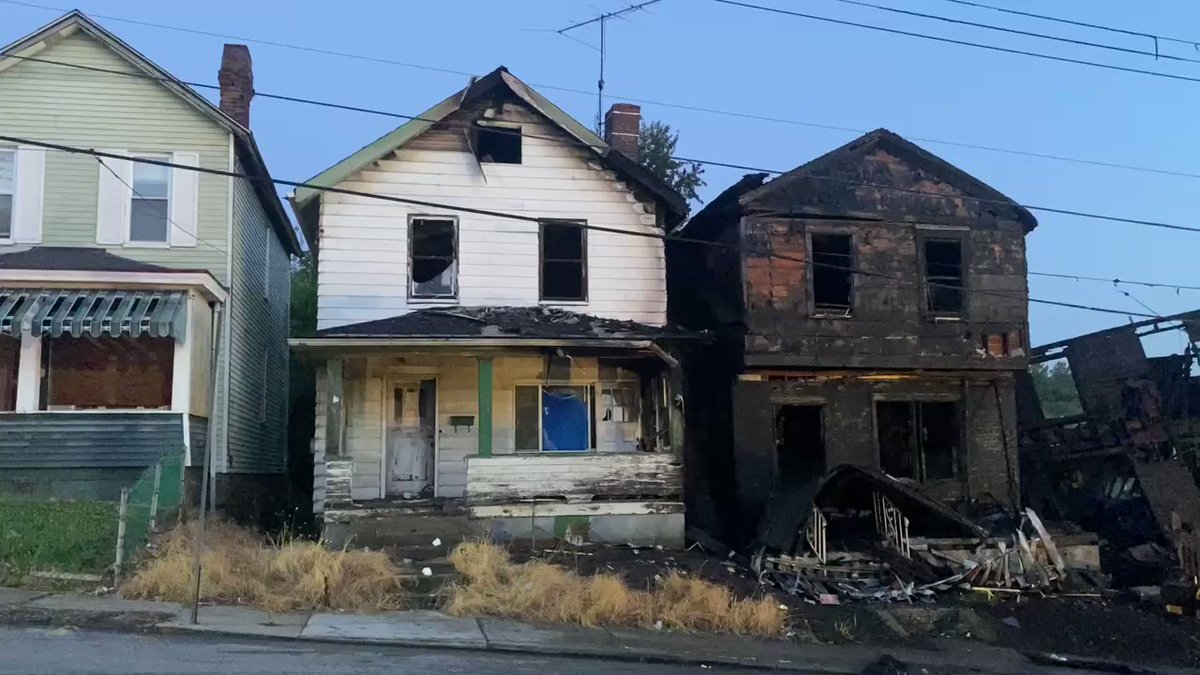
(1098, 629)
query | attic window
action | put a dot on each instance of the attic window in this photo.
(498, 145)
(564, 260)
(831, 256)
(944, 276)
(433, 258)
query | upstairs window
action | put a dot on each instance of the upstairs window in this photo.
(563, 261)
(498, 145)
(944, 276)
(832, 279)
(433, 258)
(8, 182)
(151, 203)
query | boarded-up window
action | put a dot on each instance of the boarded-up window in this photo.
(109, 372)
(433, 258)
(10, 355)
(832, 279)
(918, 439)
(944, 276)
(563, 260)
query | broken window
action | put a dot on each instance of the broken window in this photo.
(944, 276)
(498, 145)
(831, 256)
(433, 258)
(554, 418)
(1055, 387)
(564, 260)
(918, 439)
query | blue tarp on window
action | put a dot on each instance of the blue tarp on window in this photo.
(565, 419)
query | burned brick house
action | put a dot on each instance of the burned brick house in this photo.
(871, 308)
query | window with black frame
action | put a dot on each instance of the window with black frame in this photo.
(433, 258)
(944, 276)
(563, 260)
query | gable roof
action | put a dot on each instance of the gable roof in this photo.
(499, 78)
(75, 21)
(898, 146)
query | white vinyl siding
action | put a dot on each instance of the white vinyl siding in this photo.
(363, 260)
(85, 108)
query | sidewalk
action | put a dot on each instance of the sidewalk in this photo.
(435, 630)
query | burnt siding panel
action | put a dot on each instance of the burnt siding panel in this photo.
(889, 327)
(1101, 364)
(87, 440)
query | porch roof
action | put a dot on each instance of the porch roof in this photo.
(95, 312)
(508, 323)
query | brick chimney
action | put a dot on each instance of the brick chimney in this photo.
(237, 83)
(622, 124)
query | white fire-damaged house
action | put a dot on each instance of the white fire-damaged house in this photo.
(504, 354)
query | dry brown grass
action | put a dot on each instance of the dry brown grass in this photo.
(238, 566)
(538, 591)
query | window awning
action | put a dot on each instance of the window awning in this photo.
(77, 312)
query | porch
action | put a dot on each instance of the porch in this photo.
(97, 383)
(570, 439)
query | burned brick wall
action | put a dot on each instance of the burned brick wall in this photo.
(1101, 364)
(889, 323)
(985, 456)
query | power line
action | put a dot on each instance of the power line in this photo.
(631, 99)
(1014, 31)
(963, 43)
(1071, 22)
(516, 216)
(581, 143)
(1147, 284)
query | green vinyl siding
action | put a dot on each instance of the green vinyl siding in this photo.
(259, 327)
(73, 106)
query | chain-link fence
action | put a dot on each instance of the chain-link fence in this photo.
(157, 494)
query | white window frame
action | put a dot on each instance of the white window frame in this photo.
(130, 242)
(12, 222)
(591, 387)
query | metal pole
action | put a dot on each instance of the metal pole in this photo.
(154, 495)
(120, 557)
(209, 448)
(600, 84)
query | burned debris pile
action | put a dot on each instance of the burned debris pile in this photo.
(861, 534)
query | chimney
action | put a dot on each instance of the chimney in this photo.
(622, 125)
(237, 83)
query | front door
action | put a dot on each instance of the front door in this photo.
(409, 423)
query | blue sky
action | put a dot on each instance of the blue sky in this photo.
(699, 53)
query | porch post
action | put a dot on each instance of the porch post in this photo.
(333, 408)
(485, 405)
(182, 374)
(29, 374)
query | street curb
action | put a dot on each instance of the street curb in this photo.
(624, 656)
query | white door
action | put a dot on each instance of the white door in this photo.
(409, 430)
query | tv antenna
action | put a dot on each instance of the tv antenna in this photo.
(602, 19)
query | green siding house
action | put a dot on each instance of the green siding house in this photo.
(124, 274)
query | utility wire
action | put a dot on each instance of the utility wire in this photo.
(1014, 31)
(534, 219)
(582, 144)
(631, 99)
(1147, 284)
(1071, 22)
(963, 43)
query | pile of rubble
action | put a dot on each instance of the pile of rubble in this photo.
(863, 535)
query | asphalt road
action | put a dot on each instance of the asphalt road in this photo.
(64, 651)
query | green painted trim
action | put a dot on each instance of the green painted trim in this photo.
(564, 525)
(485, 406)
